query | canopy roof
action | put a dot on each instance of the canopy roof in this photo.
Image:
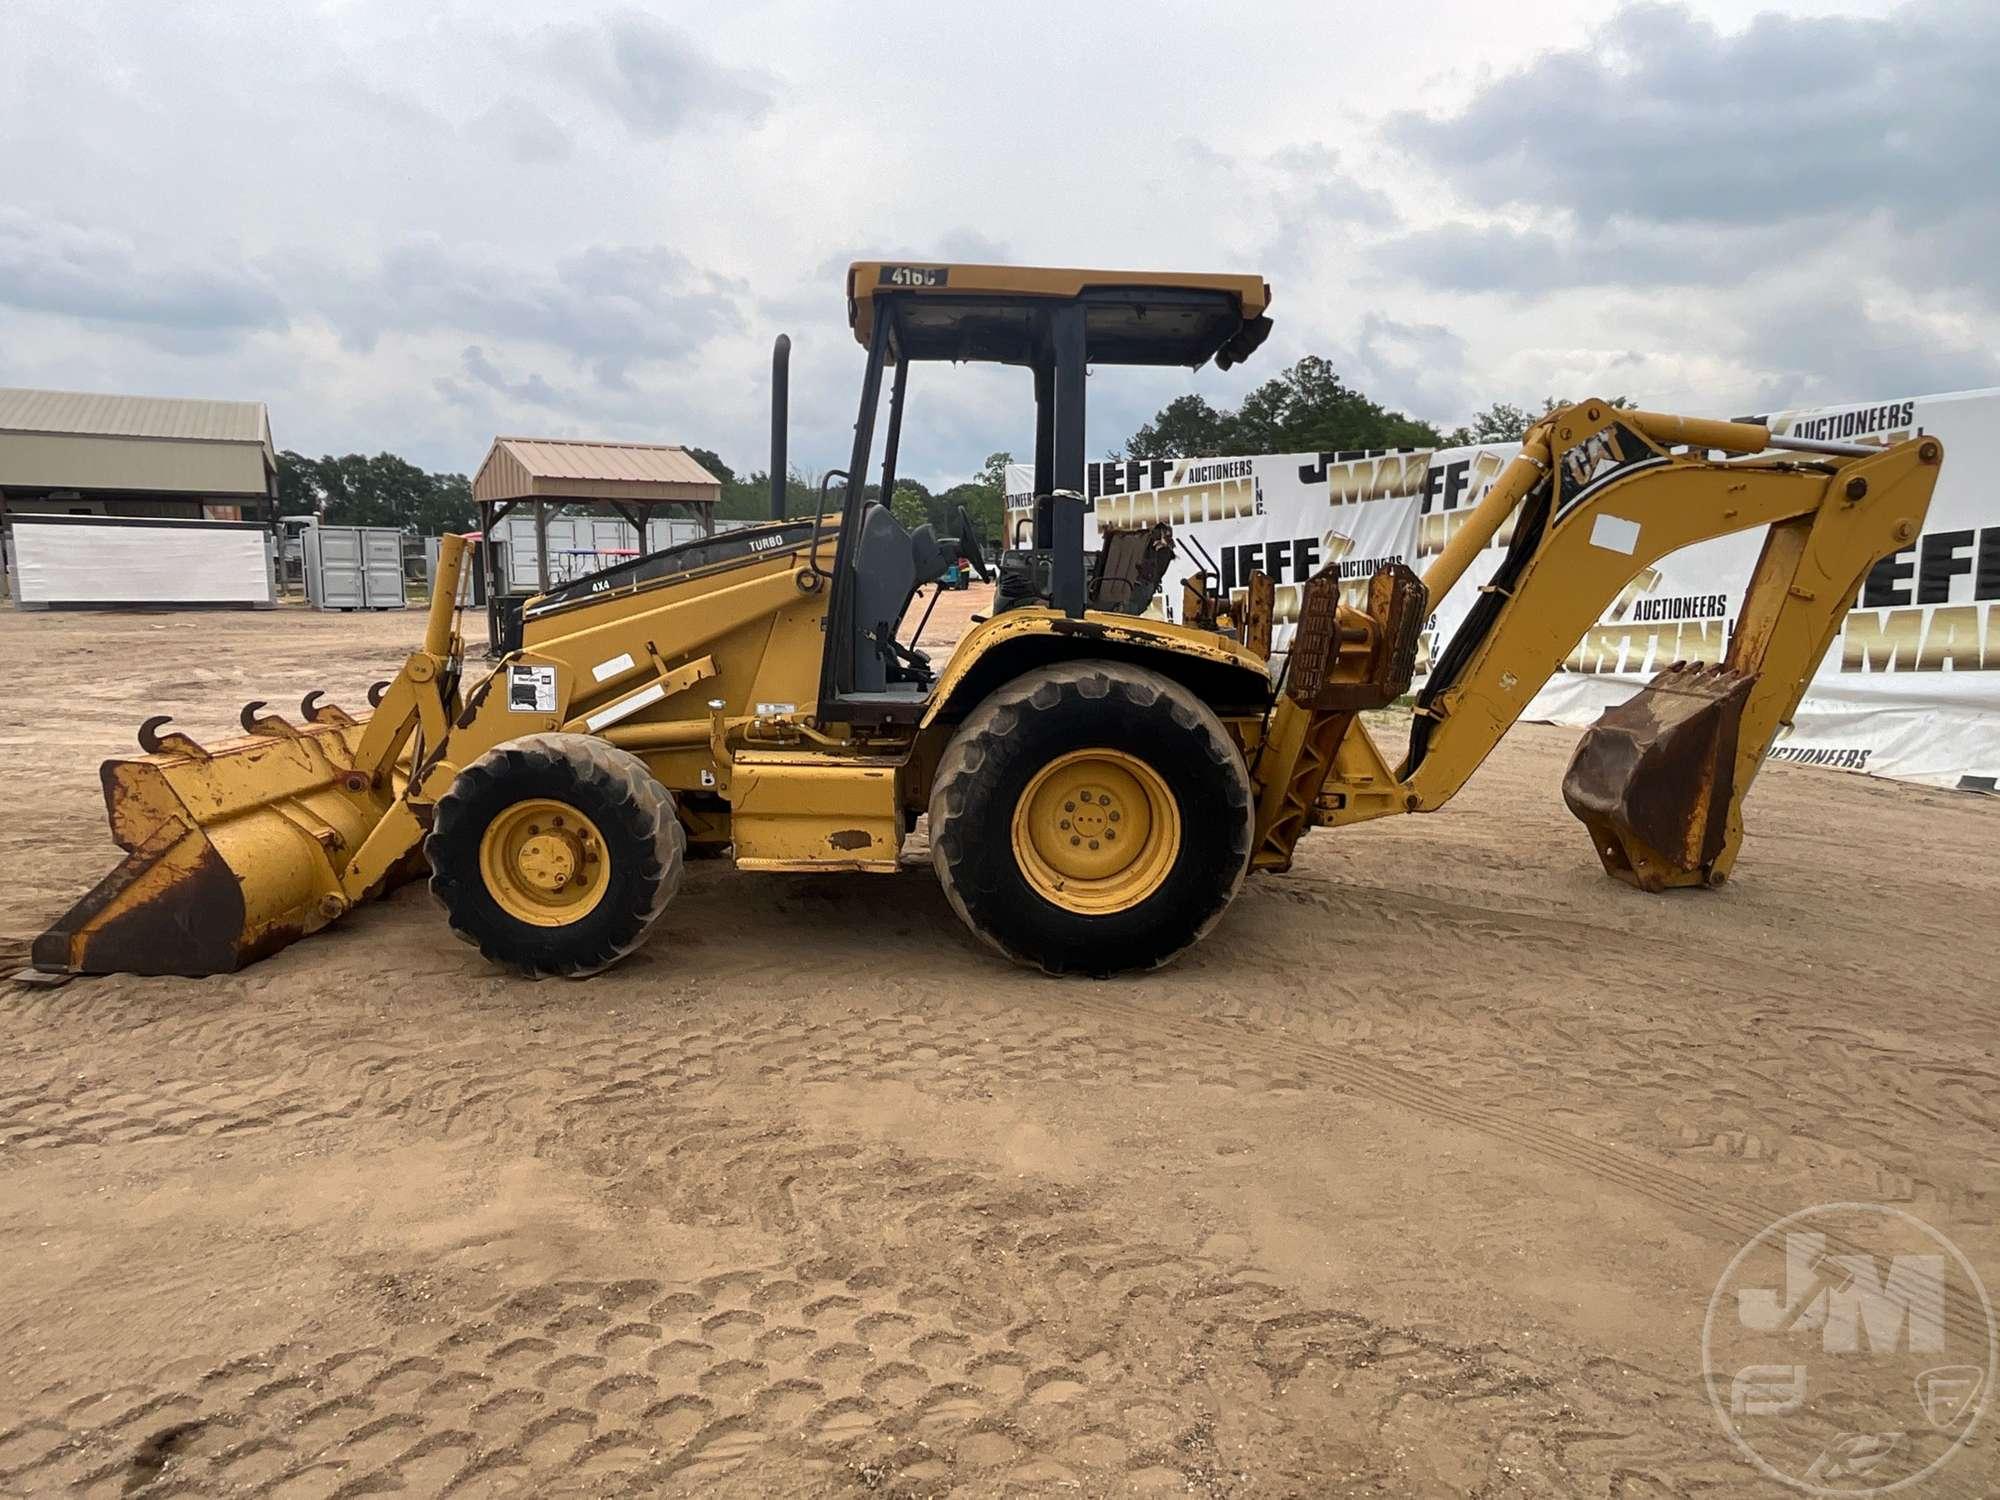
(992, 313)
(569, 469)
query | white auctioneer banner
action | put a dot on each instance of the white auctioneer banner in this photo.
(1910, 688)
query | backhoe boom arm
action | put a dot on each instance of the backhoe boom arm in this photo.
(1596, 496)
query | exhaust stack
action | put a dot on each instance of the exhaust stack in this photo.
(781, 400)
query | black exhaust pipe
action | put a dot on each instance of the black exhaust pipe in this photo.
(781, 396)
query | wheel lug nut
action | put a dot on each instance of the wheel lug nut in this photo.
(1069, 807)
(1093, 843)
(1084, 795)
(1065, 822)
(1114, 817)
(1111, 833)
(1074, 839)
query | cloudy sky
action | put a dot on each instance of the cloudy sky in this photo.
(413, 226)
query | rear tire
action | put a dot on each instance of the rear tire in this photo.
(555, 854)
(1037, 783)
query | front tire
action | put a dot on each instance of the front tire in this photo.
(1091, 817)
(555, 854)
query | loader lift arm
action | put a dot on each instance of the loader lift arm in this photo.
(1596, 495)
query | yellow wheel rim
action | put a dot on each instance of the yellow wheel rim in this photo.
(544, 863)
(1096, 832)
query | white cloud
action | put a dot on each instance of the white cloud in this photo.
(655, 78)
(105, 277)
(524, 131)
(412, 227)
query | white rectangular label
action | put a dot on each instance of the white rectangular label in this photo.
(531, 690)
(624, 708)
(772, 710)
(1614, 534)
(607, 669)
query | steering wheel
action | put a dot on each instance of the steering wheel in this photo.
(968, 543)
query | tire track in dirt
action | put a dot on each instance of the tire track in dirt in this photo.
(1729, 1054)
(1676, 1191)
(981, 1353)
(222, 1080)
(1095, 1361)
(942, 1327)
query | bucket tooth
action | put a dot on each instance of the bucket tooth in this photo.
(315, 712)
(376, 691)
(1654, 779)
(154, 743)
(255, 721)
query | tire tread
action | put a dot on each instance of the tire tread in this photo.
(964, 770)
(646, 806)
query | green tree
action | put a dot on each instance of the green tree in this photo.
(1503, 422)
(710, 460)
(748, 497)
(1500, 422)
(984, 498)
(356, 490)
(1186, 427)
(911, 504)
(1306, 409)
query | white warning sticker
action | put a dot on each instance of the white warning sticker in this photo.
(1614, 533)
(624, 708)
(531, 690)
(606, 669)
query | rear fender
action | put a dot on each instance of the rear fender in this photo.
(1227, 676)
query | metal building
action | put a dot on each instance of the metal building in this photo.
(78, 454)
(136, 463)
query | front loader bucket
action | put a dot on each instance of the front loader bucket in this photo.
(232, 852)
(1654, 779)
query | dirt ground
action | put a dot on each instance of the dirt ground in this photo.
(1414, 1179)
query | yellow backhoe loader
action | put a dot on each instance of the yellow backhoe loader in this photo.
(1098, 781)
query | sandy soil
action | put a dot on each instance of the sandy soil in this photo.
(1414, 1179)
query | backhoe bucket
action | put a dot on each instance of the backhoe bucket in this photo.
(232, 853)
(1655, 777)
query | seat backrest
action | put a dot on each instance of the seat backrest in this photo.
(1131, 561)
(885, 576)
(931, 554)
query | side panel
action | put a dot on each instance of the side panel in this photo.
(336, 567)
(622, 660)
(799, 813)
(382, 567)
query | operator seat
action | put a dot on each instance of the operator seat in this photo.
(889, 562)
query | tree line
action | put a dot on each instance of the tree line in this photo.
(984, 495)
(1306, 409)
(356, 490)
(1310, 409)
